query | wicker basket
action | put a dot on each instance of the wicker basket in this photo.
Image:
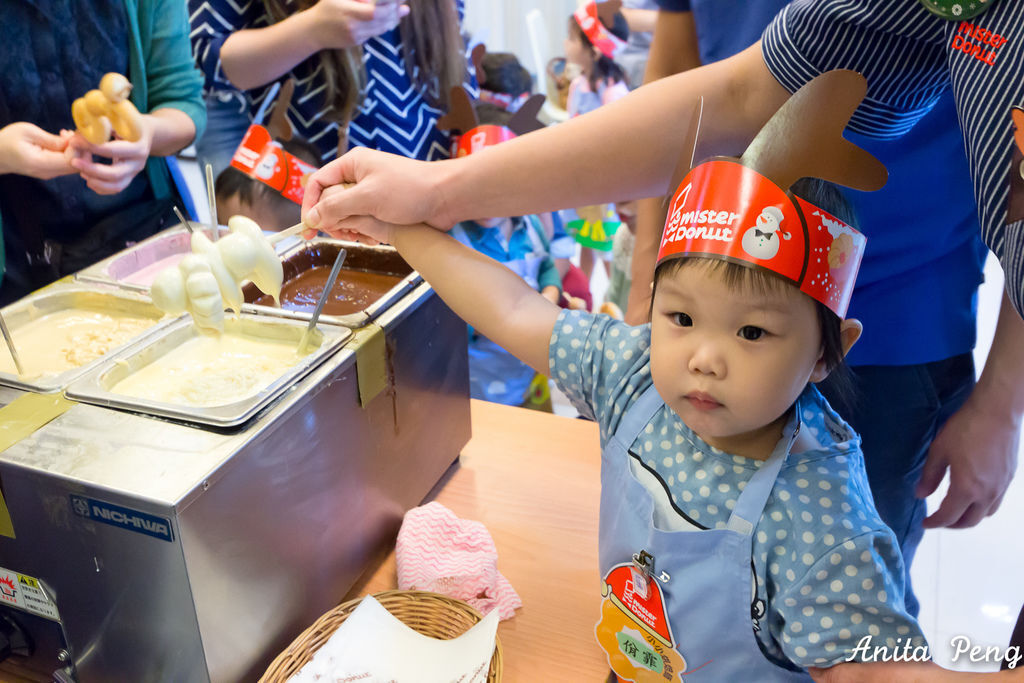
(431, 614)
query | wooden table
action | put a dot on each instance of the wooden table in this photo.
(534, 480)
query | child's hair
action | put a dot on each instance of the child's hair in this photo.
(736, 276)
(605, 67)
(504, 74)
(232, 182)
(491, 114)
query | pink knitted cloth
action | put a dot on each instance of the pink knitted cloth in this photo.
(439, 552)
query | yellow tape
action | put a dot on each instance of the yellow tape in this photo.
(18, 419)
(27, 413)
(6, 525)
(371, 362)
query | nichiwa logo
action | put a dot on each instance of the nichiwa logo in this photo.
(125, 518)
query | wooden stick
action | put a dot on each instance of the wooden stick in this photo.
(287, 232)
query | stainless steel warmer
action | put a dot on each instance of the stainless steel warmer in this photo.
(161, 550)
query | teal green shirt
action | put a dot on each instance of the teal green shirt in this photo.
(162, 72)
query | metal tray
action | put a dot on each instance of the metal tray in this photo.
(117, 269)
(94, 387)
(322, 251)
(59, 298)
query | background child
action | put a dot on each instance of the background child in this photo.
(239, 194)
(594, 38)
(518, 242)
(505, 84)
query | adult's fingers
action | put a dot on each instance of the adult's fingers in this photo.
(341, 170)
(46, 140)
(931, 475)
(951, 511)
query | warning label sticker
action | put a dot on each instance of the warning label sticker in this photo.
(26, 593)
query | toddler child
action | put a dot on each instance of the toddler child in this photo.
(738, 538)
(239, 194)
(595, 37)
(518, 242)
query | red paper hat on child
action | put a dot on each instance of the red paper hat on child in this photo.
(469, 135)
(260, 157)
(741, 210)
(588, 16)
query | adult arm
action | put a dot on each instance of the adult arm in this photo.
(625, 150)
(173, 111)
(979, 442)
(673, 50)
(256, 56)
(640, 20)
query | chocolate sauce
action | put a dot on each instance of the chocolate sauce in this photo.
(354, 290)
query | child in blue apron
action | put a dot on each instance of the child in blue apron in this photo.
(520, 244)
(738, 537)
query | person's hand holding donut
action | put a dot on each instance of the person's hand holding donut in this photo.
(27, 149)
(126, 159)
(342, 24)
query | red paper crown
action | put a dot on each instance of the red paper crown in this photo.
(261, 158)
(741, 210)
(477, 138)
(470, 136)
(725, 210)
(590, 23)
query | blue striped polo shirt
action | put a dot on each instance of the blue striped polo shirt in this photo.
(910, 57)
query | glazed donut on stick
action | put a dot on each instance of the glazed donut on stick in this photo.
(106, 109)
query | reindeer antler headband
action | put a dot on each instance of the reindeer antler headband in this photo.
(741, 210)
(472, 136)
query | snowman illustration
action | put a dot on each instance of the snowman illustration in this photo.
(762, 241)
(268, 164)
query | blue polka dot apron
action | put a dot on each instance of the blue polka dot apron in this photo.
(676, 604)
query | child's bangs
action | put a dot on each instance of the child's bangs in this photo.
(736, 277)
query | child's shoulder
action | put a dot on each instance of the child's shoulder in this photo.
(600, 363)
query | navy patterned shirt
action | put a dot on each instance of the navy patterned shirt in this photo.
(394, 117)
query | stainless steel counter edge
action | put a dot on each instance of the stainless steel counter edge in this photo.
(161, 461)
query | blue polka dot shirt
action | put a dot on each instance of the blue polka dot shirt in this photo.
(826, 570)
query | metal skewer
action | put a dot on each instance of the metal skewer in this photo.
(211, 198)
(185, 221)
(328, 286)
(10, 346)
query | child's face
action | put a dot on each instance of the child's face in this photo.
(576, 51)
(731, 361)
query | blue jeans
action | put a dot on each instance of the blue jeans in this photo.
(898, 410)
(227, 119)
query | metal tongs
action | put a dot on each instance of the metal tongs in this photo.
(328, 286)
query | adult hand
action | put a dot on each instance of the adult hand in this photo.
(29, 150)
(346, 23)
(127, 160)
(979, 447)
(387, 187)
(363, 229)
